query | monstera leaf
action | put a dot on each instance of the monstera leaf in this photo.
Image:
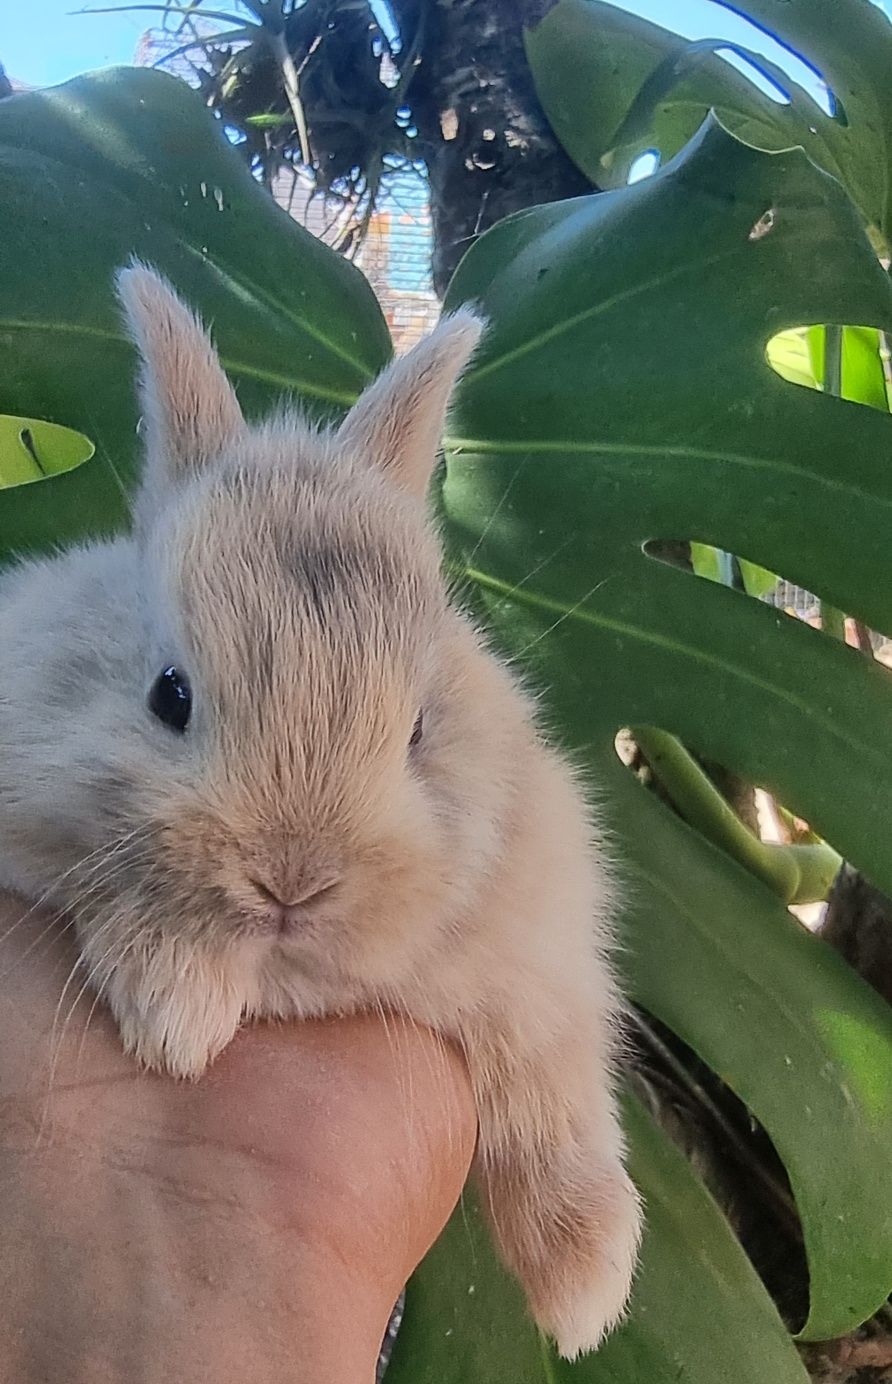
(614, 85)
(130, 162)
(621, 398)
(464, 1320)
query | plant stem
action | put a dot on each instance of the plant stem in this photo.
(289, 77)
(796, 874)
(833, 360)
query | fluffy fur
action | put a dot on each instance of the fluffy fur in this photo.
(294, 576)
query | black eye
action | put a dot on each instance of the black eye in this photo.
(170, 699)
(417, 730)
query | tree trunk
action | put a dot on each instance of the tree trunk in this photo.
(485, 139)
(858, 924)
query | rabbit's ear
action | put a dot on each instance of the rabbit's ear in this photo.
(189, 407)
(398, 422)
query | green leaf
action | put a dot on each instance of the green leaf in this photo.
(622, 396)
(31, 450)
(786, 1024)
(614, 85)
(710, 563)
(268, 122)
(465, 1324)
(863, 372)
(756, 581)
(129, 162)
(799, 356)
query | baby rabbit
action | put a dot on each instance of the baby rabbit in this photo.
(271, 771)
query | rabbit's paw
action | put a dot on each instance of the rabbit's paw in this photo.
(582, 1288)
(179, 1022)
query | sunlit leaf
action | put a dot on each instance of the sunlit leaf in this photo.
(31, 450)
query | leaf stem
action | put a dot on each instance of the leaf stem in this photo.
(796, 874)
(833, 360)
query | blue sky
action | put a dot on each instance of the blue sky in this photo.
(43, 42)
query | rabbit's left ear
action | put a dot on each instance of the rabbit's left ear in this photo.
(189, 408)
(398, 422)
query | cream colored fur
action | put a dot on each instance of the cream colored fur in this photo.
(294, 576)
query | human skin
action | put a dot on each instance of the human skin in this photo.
(258, 1224)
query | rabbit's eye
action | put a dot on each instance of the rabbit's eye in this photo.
(417, 730)
(170, 699)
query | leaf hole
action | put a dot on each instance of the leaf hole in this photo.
(756, 50)
(727, 569)
(750, 67)
(749, 579)
(33, 450)
(644, 166)
(764, 44)
(764, 226)
(847, 362)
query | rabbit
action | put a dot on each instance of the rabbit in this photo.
(258, 755)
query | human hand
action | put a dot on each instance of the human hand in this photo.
(258, 1224)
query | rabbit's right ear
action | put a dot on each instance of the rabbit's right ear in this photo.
(189, 408)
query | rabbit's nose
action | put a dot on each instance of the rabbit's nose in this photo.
(288, 907)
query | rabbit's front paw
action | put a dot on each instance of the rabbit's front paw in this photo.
(178, 1026)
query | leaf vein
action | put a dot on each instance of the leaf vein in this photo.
(233, 367)
(599, 619)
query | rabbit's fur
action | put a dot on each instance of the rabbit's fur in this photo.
(294, 576)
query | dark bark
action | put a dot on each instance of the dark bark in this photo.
(462, 74)
(488, 146)
(858, 924)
